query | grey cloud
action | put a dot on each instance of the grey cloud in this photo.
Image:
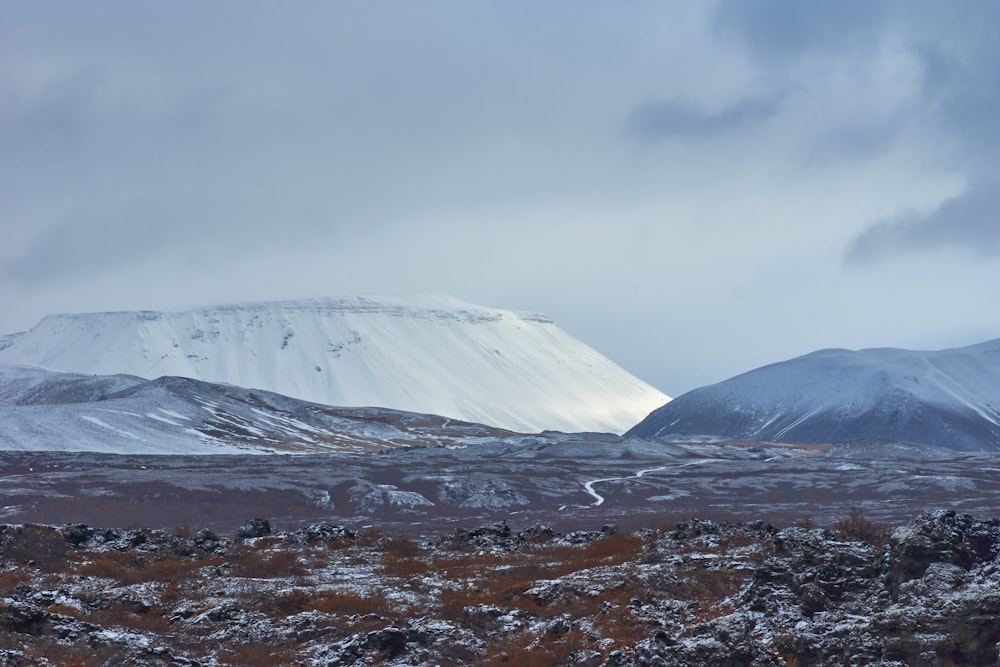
(56, 117)
(952, 107)
(777, 29)
(960, 88)
(969, 221)
(958, 105)
(185, 226)
(855, 141)
(86, 244)
(970, 110)
(938, 68)
(659, 120)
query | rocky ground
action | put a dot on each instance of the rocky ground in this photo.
(567, 481)
(696, 593)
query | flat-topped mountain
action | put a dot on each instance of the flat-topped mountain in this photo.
(426, 354)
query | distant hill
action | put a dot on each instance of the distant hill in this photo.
(948, 398)
(47, 411)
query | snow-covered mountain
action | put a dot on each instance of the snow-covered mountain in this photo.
(948, 398)
(427, 354)
(48, 411)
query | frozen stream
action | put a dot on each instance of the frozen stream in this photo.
(599, 499)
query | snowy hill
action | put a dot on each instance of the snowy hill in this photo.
(949, 398)
(47, 411)
(426, 354)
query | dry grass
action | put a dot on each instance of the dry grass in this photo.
(621, 625)
(42, 545)
(612, 550)
(404, 568)
(252, 563)
(126, 616)
(171, 593)
(260, 656)
(123, 566)
(707, 589)
(505, 580)
(401, 558)
(530, 650)
(401, 547)
(338, 603)
(462, 561)
(118, 615)
(10, 580)
(67, 610)
(348, 603)
(857, 527)
(130, 568)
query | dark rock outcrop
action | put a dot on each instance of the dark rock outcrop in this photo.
(254, 528)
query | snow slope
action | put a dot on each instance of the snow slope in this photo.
(427, 354)
(48, 411)
(948, 398)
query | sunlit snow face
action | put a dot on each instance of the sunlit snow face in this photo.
(433, 355)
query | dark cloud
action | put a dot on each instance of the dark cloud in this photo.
(854, 142)
(780, 29)
(970, 221)
(969, 109)
(944, 70)
(958, 104)
(87, 243)
(56, 117)
(939, 69)
(659, 120)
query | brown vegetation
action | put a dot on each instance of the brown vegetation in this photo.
(340, 603)
(182, 595)
(857, 527)
(130, 568)
(529, 650)
(256, 655)
(255, 563)
(10, 580)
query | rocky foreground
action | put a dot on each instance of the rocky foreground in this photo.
(700, 593)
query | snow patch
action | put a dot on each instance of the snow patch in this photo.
(96, 421)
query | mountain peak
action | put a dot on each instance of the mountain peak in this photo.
(946, 398)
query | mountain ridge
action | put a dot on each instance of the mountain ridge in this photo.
(426, 354)
(44, 410)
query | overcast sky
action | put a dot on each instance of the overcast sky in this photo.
(694, 189)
